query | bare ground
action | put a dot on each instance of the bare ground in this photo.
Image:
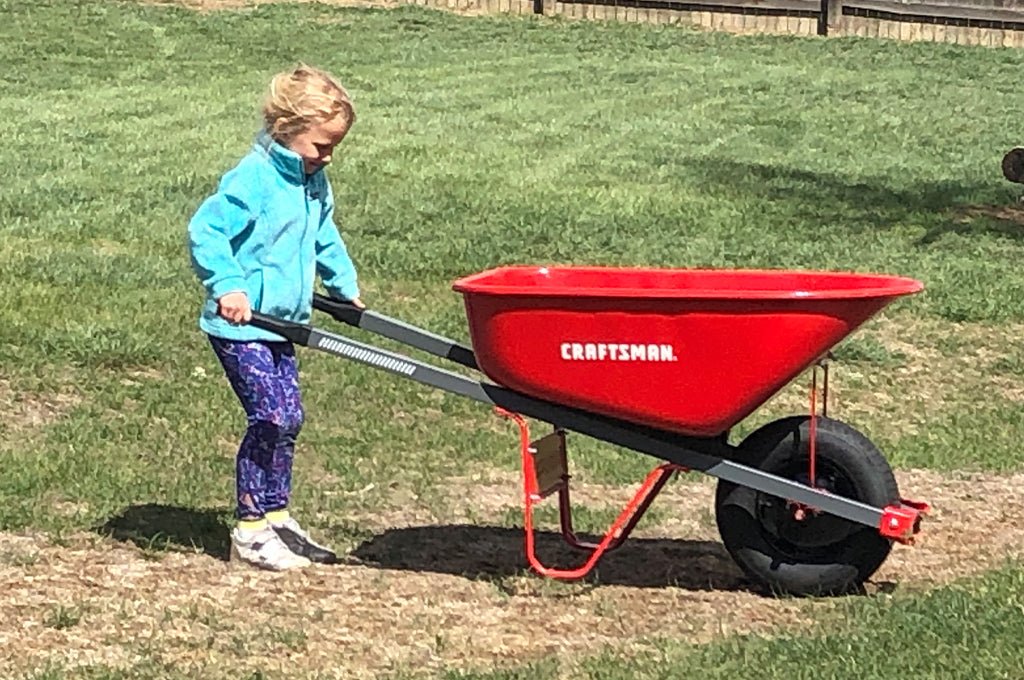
(215, 5)
(427, 597)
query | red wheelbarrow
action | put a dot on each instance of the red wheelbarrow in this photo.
(665, 362)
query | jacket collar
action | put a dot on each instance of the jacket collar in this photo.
(284, 160)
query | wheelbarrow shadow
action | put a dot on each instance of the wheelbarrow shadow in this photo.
(496, 553)
(156, 527)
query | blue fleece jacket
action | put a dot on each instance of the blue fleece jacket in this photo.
(268, 231)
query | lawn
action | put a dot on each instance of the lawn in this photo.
(484, 141)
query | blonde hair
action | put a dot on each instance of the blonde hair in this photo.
(301, 97)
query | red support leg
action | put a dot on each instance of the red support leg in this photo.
(615, 535)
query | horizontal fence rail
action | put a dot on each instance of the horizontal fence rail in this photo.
(962, 14)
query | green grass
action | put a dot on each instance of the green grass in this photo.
(480, 141)
(484, 141)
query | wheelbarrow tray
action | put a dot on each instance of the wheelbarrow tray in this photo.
(686, 350)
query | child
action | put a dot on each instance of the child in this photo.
(257, 244)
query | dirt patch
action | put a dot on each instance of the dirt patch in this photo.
(24, 412)
(456, 595)
(213, 5)
(216, 5)
(1007, 213)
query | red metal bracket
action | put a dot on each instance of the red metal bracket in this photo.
(902, 522)
(616, 534)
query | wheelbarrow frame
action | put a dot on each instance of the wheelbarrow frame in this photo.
(709, 455)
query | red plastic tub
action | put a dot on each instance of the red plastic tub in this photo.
(688, 350)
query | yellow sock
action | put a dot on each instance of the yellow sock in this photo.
(277, 516)
(252, 524)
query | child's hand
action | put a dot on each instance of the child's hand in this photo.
(358, 303)
(234, 307)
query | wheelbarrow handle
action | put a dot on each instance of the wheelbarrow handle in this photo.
(295, 332)
(342, 310)
(391, 328)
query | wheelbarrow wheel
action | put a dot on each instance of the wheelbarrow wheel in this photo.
(798, 551)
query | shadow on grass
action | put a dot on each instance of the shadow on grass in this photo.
(1000, 220)
(167, 527)
(821, 198)
(496, 553)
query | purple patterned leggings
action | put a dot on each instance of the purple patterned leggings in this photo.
(265, 377)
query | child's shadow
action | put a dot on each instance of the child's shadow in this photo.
(167, 527)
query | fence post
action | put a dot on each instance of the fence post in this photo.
(830, 17)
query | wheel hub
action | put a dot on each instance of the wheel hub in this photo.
(799, 527)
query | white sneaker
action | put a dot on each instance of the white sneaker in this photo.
(299, 542)
(263, 548)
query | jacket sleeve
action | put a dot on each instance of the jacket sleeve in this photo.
(333, 263)
(221, 218)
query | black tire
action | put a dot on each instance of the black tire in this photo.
(821, 554)
(1013, 165)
